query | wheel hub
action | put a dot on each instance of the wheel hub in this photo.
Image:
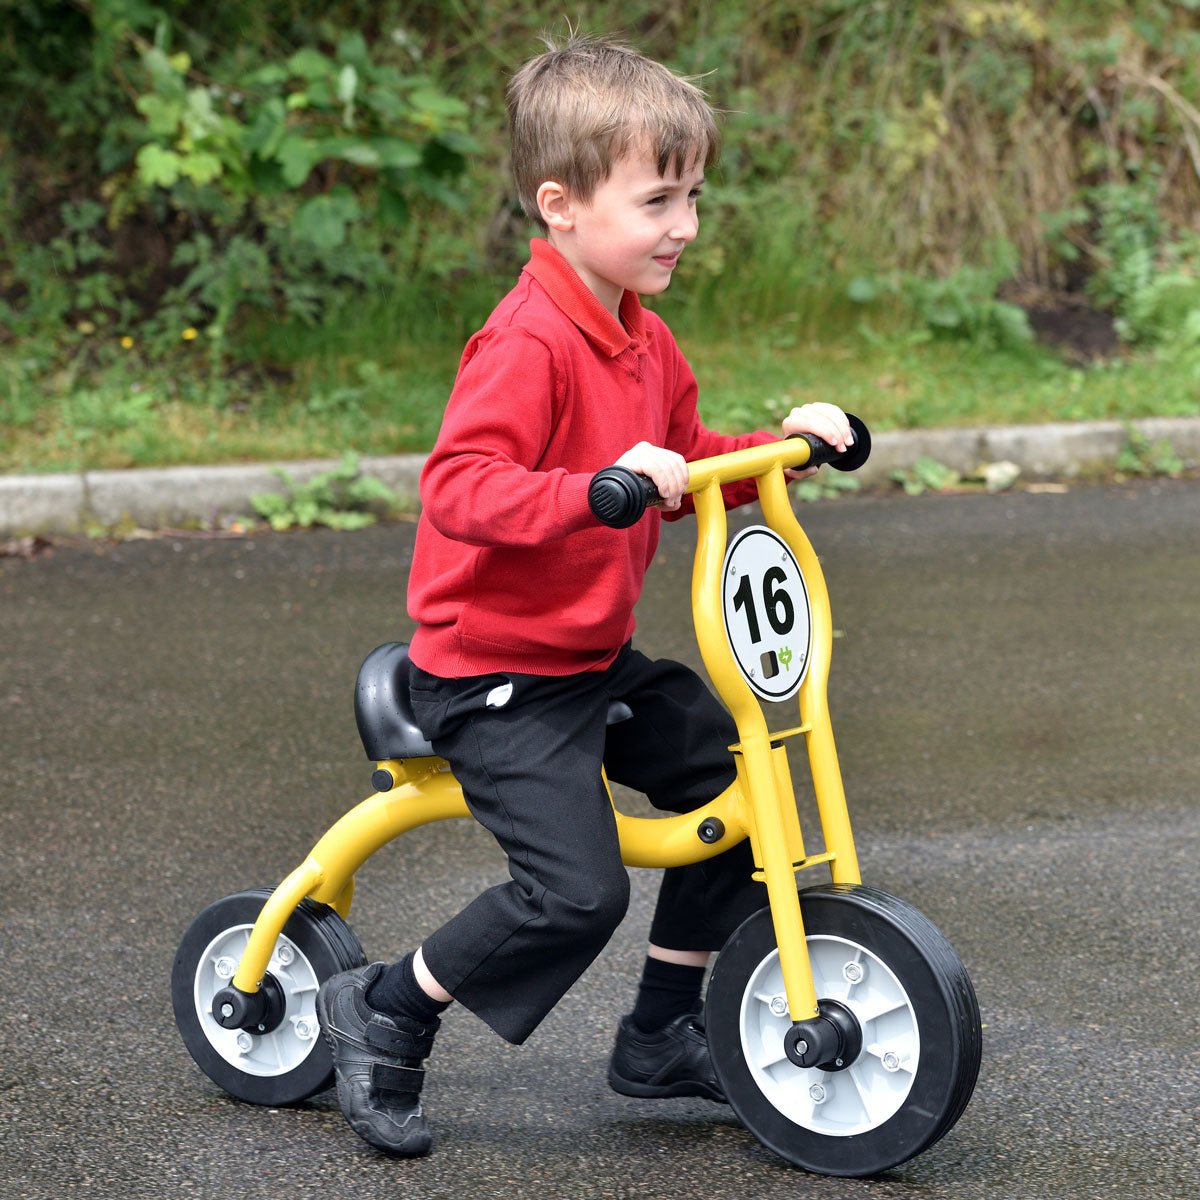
(256, 1012)
(830, 1041)
(870, 1027)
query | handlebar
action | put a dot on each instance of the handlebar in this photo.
(618, 496)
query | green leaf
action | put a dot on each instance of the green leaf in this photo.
(388, 106)
(269, 504)
(158, 167)
(351, 150)
(322, 220)
(934, 474)
(200, 118)
(163, 71)
(200, 167)
(395, 153)
(320, 94)
(353, 49)
(270, 75)
(310, 63)
(438, 104)
(162, 113)
(297, 156)
(267, 129)
(305, 511)
(347, 520)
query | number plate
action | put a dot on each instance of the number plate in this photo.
(767, 616)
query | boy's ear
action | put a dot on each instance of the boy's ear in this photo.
(555, 206)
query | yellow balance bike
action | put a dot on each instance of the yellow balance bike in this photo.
(842, 1024)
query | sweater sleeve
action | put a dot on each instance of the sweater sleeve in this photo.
(689, 437)
(481, 484)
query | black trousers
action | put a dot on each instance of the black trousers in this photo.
(527, 750)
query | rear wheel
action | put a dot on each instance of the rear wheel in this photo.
(895, 980)
(287, 1061)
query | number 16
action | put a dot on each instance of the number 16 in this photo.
(781, 613)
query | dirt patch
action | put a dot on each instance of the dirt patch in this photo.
(1079, 332)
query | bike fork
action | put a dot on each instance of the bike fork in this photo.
(821, 1034)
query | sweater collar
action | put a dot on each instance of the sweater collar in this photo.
(580, 305)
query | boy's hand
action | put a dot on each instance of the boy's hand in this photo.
(827, 421)
(667, 469)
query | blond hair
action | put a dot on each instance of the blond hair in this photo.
(578, 109)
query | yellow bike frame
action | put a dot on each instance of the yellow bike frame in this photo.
(759, 804)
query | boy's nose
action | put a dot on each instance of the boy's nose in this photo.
(686, 225)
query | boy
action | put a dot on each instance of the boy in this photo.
(524, 604)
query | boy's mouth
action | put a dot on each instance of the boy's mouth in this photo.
(668, 260)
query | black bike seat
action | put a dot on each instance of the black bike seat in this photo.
(383, 711)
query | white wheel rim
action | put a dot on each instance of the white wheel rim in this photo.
(290, 1042)
(869, 1091)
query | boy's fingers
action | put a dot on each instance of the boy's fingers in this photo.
(827, 421)
(671, 476)
(670, 487)
(665, 468)
(831, 426)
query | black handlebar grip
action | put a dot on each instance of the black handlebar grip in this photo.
(852, 459)
(618, 496)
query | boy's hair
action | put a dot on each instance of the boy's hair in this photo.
(577, 109)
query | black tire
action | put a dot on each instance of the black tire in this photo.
(912, 998)
(290, 1062)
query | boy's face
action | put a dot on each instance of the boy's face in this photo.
(630, 234)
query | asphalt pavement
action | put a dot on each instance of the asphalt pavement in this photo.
(1015, 703)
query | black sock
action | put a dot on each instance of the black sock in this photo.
(397, 992)
(668, 990)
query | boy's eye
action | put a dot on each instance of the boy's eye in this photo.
(693, 195)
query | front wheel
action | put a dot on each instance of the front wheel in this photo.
(911, 999)
(289, 1061)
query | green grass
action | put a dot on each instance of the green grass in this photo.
(936, 384)
(375, 382)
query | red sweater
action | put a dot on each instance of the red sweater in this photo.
(511, 571)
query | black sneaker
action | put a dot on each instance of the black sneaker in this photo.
(672, 1062)
(377, 1060)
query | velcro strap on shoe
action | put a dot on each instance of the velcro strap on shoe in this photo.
(381, 1032)
(392, 1077)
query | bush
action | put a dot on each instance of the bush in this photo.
(225, 179)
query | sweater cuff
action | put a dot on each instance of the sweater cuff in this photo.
(572, 504)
